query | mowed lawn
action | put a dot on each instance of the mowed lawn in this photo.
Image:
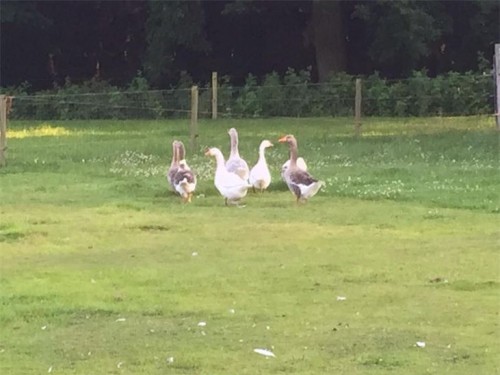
(393, 268)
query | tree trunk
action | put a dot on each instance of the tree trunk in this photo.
(328, 37)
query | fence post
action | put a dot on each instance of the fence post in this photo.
(496, 72)
(193, 128)
(3, 128)
(357, 108)
(214, 95)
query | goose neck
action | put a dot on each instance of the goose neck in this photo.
(293, 153)
(175, 154)
(219, 159)
(262, 153)
(234, 145)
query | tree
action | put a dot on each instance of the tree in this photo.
(174, 35)
(328, 38)
(473, 32)
(399, 34)
(23, 42)
(44, 42)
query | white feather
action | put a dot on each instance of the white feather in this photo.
(264, 352)
(260, 177)
(230, 185)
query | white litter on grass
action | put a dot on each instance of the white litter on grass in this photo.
(170, 359)
(49, 370)
(202, 324)
(194, 254)
(421, 344)
(203, 333)
(232, 311)
(264, 352)
(341, 298)
(268, 328)
(44, 328)
(119, 364)
(120, 320)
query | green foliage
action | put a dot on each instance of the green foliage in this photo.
(23, 13)
(172, 27)
(400, 31)
(249, 103)
(96, 99)
(295, 95)
(272, 95)
(339, 93)
(292, 95)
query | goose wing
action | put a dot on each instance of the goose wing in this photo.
(182, 175)
(301, 177)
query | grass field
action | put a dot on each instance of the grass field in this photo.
(104, 271)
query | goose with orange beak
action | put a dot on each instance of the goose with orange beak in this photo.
(299, 181)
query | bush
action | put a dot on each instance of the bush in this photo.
(293, 94)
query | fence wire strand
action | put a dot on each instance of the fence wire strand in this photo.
(417, 96)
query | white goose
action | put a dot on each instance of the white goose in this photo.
(230, 185)
(300, 182)
(174, 165)
(184, 181)
(235, 163)
(260, 177)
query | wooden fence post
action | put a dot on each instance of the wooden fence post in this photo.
(496, 72)
(214, 95)
(3, 129)
(357, 108)
(193, 128)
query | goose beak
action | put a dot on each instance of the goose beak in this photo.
(207, 152)
(282, 139)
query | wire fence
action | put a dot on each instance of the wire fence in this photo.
(453, 95)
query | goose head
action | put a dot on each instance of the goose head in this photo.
(265, 144)
(290, 139)
(232, 132)
(210, 151)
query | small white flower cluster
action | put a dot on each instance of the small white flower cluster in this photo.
(453, 185)
(354, 186)
(132, 163)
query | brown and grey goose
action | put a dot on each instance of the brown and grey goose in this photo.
(299, 181)
(184, 181)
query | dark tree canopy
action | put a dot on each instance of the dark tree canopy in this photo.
(47, 42)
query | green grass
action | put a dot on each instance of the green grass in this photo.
(104, 271)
